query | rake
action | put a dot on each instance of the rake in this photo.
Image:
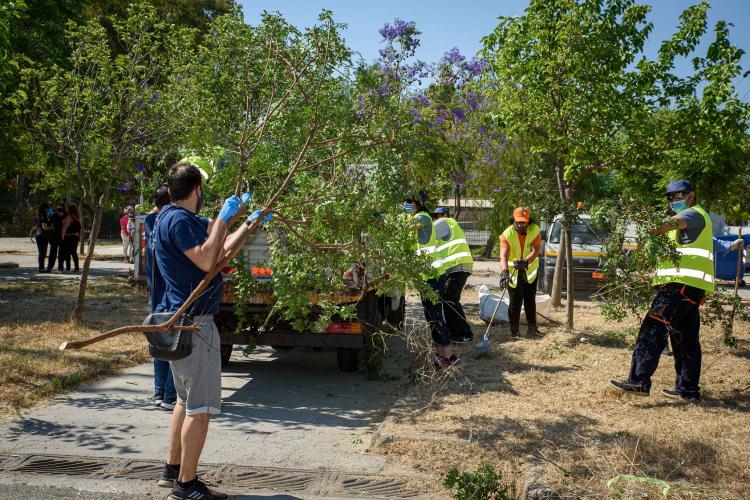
(483, 345)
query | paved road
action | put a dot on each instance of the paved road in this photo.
(23, 252)
(290, 410)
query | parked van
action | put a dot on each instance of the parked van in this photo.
(588, 254)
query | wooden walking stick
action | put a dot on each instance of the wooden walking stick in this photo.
(222, 262)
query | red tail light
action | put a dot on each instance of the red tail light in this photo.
(352, 327)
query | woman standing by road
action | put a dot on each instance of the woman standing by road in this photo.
(43, 233)
(71, 230)
(125, 234)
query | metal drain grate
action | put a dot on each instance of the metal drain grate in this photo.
(377, 487)
(271, 480)
(5, 459)
(140, 470)
(60, 465)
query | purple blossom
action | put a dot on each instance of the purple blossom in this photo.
(382, 90)
(453, 56)
(473, 100)
(482, 130)
(360, 106)
(421, 100)
(439, 120)
(399, 28)
(475, 67)
(459, 114)
(140, 166)
(124, 187)
(416, 116)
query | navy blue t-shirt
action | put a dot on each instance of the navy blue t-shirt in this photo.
(156, 285)
(179, 230)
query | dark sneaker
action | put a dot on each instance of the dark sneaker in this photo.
(629, 387)
(168, 404)
(169, 475)
(532, 331)
(157, 399)
(677, 395)
(440, 363)
(453, 361)
(515, 335)
(198, 491)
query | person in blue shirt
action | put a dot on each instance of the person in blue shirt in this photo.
(186, 247)
(164, 391)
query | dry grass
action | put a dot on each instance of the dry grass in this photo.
(33, 323)
(546, 402)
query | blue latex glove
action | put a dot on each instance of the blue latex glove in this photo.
(408, 207)
(254, 216)
(230, 208)
(246, 197)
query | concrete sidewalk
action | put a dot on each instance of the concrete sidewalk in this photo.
(291, 410)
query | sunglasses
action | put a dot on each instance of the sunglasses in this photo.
(676, 196)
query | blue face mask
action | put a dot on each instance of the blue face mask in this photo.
(408, 207)
(50, 212)
(678, 206)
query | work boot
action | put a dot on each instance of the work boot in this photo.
(630, 387)
(531, 331)
(678, 395)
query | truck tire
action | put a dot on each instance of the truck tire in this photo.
(347, 359)
(395, 317)
(226, 353)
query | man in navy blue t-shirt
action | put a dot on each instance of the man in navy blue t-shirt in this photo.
(186, 248)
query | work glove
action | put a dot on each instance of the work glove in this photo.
(737, 244)
(520, 264)
(230, 208)
(254, 216)
(504, 279)
(246, 197)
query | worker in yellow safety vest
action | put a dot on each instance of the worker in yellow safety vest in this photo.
(519, 249)
(427, 244)
(680, 290)
(454, 258)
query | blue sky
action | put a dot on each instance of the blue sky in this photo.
(462, 24)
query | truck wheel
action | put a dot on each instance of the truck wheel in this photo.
(226, 353)
(347, 359)
(396, 317)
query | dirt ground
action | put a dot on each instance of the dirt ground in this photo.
(541, 411)
(34, 321)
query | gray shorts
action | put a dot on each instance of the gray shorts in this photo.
(197, 378)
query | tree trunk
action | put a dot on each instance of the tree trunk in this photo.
(569, 288)
(77, 315)
(557, 277)
(489, 246)
(83, 231)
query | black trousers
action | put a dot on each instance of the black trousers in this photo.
(675, 313)
(523, 293)
(70, 250)
(454, 313)
(433, 313)
(55, 248)
(41, 245)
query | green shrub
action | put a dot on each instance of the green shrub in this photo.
(483, 483)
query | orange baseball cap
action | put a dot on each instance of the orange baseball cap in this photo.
(522, 214)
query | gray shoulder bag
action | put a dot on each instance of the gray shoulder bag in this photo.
(167, 345)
